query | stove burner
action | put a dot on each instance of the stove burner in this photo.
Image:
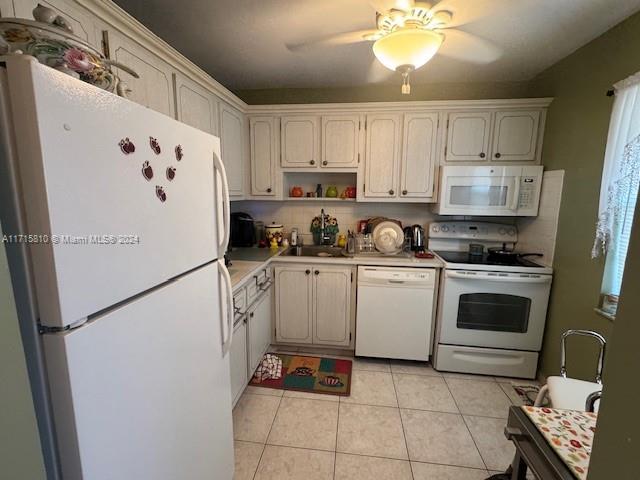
(485, 259)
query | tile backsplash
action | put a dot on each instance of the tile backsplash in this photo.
(538, 234)
(298, 214)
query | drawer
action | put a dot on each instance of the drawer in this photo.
(258, 284)
(240, 302)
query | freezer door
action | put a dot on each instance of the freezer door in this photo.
(129, 193)
(143, 392)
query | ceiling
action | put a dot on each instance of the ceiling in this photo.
(243, 43)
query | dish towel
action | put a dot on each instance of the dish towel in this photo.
(269, 368)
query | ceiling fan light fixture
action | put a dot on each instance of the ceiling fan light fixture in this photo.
(406, 50)
(409, 46)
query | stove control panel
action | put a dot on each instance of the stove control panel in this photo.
(481, 231)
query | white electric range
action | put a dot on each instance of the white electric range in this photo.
(491, 313)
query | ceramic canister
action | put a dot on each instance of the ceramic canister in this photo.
(274, 231)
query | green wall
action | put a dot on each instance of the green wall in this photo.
(386, 93)
(615, 449)
(20, 451)
(575, 139)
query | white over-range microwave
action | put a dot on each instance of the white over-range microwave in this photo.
(491, 190)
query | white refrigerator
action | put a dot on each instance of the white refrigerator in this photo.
(128, 215)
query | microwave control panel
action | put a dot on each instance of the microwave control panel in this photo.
(528, 192)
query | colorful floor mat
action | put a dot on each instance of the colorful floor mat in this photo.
(311, 374)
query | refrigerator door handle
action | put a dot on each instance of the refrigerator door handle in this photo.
(219, 167)
(228, 310)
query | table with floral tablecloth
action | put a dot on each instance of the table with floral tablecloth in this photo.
(570, 434)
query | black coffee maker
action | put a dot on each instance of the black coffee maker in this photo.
(243, 233)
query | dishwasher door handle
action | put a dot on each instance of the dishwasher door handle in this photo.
(397, 282)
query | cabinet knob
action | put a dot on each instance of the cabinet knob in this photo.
(312, 162)
(307, 272)
(325, 162)
(404, 192)
(391, 192)
(317, 272)
(482, 155)
(498, 155)
(269, 190)
(251, 314)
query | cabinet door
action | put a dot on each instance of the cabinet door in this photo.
(417, 169)
(195, 105)
(382, 155)
(332, 305)
(154, 87)
(340, 141)
(238, 360)
(232, 147)
(263, 155)
(258, 330)
(299, 142)
(515, 136)
(82, 22)
(468, 137)
(293, 301)
(6, 9)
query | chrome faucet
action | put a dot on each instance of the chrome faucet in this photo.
(325, 238)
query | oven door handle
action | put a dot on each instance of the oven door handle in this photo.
(492, 278)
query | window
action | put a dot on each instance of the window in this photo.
(619, 189)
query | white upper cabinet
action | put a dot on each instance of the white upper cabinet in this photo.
(332, 310)
(83, 23)
(154, 87)
(468, 137)
(515, 136)
(195, 105)
(299, 142)
(263, 141)
(232, 144)
(382, 155)
(340, 141)
(417, 167)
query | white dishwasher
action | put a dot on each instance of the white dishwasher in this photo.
(395, 312)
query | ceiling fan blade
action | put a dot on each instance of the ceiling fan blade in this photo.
(333, 40)
(378, 73)
(467, 47)
(465, 12)
(386, 5)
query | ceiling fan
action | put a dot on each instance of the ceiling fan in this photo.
(409, 33)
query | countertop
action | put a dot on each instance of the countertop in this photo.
(246, 262)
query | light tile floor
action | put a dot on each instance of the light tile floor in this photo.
(403, 421)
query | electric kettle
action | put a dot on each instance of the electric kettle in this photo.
(417, 238)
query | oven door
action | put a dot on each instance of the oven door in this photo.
(497, 310)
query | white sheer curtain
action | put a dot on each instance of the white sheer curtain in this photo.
(620, 178)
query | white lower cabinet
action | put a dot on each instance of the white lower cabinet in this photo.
(294, 303)
(251, 332)
(332, 312)
(314, 304)
(238, 360)
(258, 330)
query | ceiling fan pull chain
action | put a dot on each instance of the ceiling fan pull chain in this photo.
(406, 86)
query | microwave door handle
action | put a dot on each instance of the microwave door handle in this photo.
(492, 278)
(516, 195)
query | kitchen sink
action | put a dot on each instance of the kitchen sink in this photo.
(313, 251)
